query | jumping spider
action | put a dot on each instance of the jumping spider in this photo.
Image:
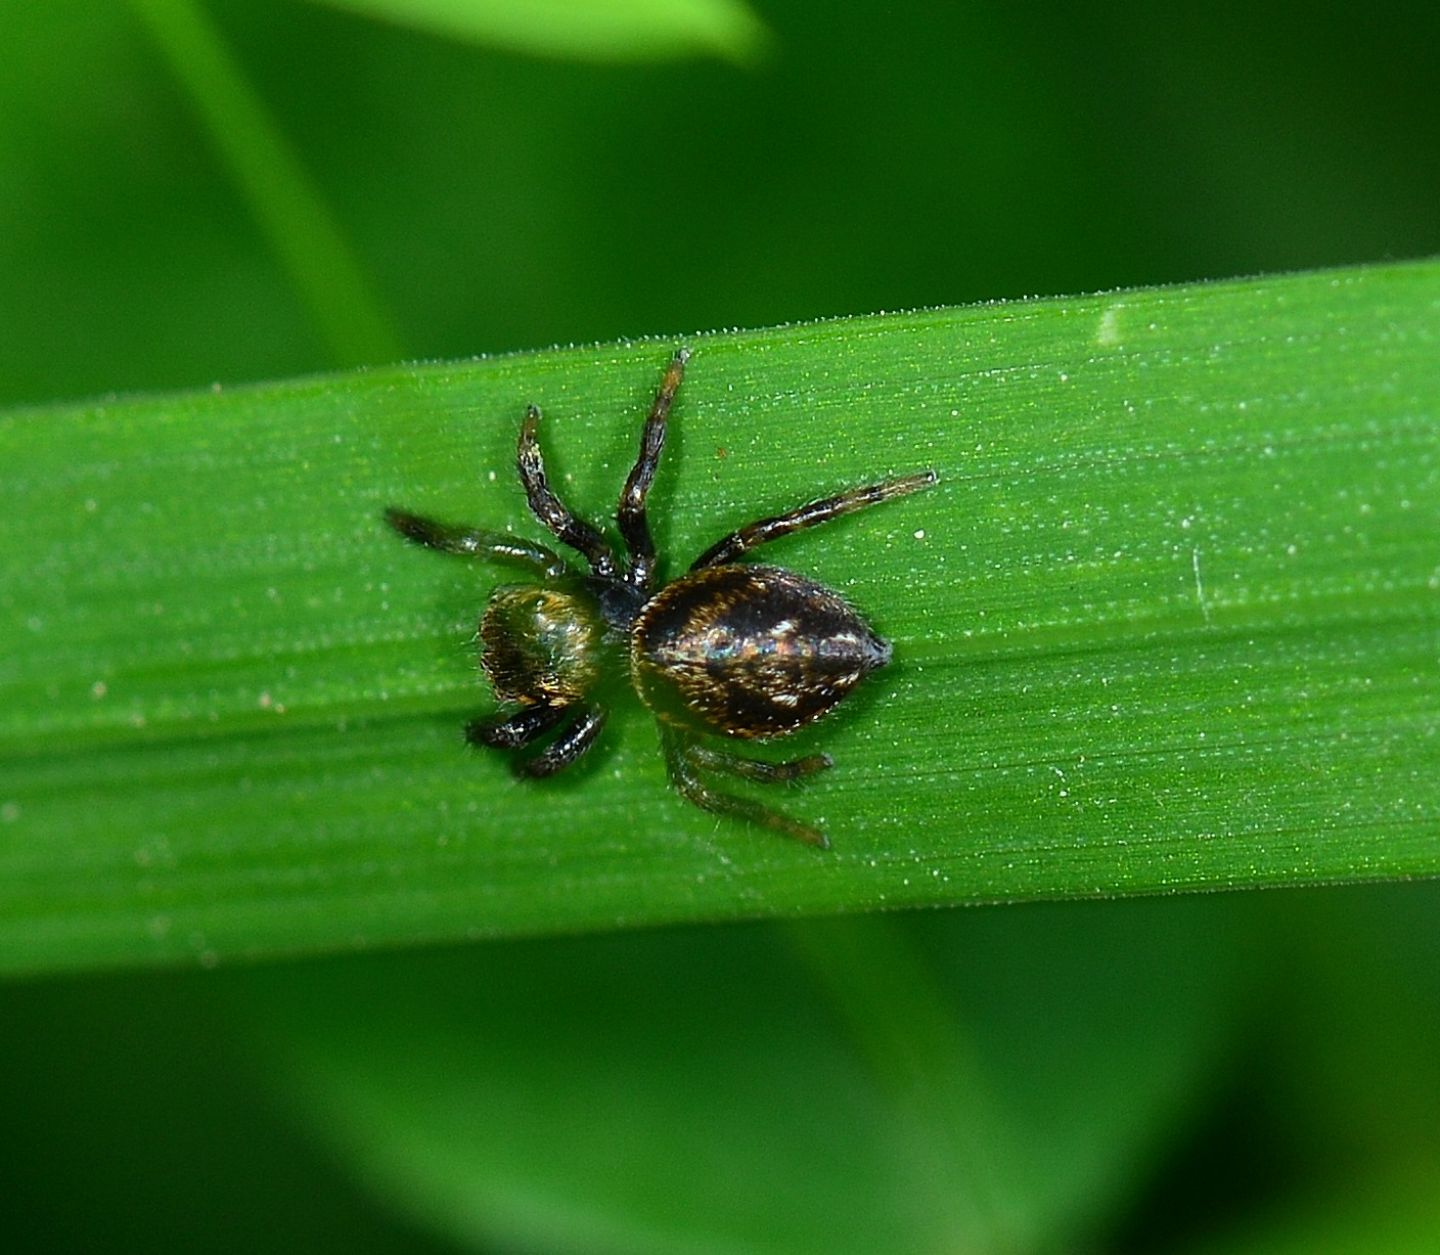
(752, 652)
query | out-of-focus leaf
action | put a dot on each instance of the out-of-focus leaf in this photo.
(585, 30)
(693, 1090)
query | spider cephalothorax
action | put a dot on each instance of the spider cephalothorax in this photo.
(728, 649)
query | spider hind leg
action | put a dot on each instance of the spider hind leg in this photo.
(812, 514)
(686, 761)
(708, 758)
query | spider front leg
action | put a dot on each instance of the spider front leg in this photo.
(810, 515)
(685, 759)
(575, 739)
(474, 542)
(581, 536)
(513, 732)
(630, 515)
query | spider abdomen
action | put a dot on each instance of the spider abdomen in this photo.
(749, 651)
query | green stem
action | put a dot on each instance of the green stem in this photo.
(288, 206)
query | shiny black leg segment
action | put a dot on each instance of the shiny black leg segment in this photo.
(575, 738)
(511, 732)
(704, 756)
(581, 536)
(809, 515)
(685, 775)
(474, 542)
(630, 515)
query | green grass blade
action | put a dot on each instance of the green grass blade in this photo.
(1171, 620)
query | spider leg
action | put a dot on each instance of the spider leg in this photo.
(756, 769)
(685, 776)
(511, 732)
(809, 515)
(474, 542)
(630, 514)
(581, 536)
(575, 738)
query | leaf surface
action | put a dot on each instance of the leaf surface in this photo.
(1170, 620)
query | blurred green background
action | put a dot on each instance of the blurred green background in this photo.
(1241, 1073)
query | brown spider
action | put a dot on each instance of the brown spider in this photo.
(751, 652)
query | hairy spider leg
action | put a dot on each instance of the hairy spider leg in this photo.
(684, 768)
(575, 738)
(630, 514)
(581, 536)
(512, 732)
(474, 542)
(809, 515)
(757, 769)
